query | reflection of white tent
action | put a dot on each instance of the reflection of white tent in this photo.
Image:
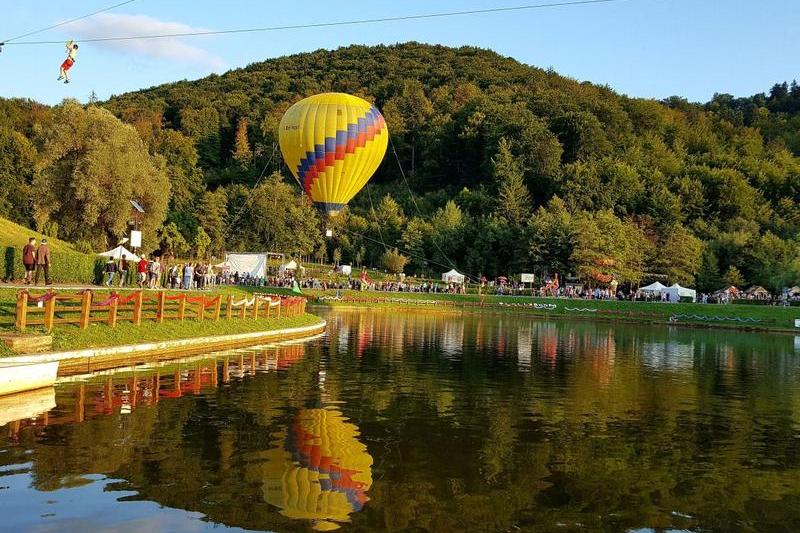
(653, 287)
(676, 292)
(291, 266)
(253, 264)
(453, 277)
(118, 252)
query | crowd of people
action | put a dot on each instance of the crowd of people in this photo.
(154, 274)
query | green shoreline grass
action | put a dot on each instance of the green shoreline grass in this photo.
(68, 337)
(98, 335)
(766, 317)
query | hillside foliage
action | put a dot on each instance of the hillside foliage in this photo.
(507, 168)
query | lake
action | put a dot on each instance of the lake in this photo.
(422, 421)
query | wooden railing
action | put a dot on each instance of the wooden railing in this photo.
(81, 309)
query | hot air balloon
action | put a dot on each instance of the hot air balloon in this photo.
(333, 144)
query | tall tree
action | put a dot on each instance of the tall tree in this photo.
(514, 201)
(92, 165)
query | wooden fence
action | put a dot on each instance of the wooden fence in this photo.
(81, 309)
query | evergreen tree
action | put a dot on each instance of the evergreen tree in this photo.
(708, 277)
(734, 277)
(514, 201)
(242, 152)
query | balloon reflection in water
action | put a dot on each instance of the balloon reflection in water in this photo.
(323, 472)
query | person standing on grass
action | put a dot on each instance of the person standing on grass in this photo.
(29, 259)
(155, 273)
(43, 263)
(188, 273)
(111, 269)
(141, 269)
(123, 271)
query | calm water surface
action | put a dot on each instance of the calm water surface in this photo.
(422, 422)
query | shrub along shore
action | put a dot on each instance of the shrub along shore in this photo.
(757, 317)
(70, 337)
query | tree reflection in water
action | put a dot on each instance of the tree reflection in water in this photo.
(437, 422)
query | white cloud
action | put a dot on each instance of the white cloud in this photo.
(169, 48)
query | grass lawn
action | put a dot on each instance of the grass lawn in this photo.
(70, 337)
(750, 316)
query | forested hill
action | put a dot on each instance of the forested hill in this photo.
(513, 168)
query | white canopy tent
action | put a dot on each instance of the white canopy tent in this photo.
(676, 292)
(118, 252)
(291, 266)
(453, 277)
(653, 287)
(243, 263)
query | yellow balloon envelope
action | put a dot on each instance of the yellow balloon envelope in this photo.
(333, 144)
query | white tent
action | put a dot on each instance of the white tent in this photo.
(653, 287)
(118, 252)
(291, 266)
(253, 264)
(453, 277)
(676, 292)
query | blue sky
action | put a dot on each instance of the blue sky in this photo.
(648, 48)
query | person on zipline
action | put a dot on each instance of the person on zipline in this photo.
(72, 53)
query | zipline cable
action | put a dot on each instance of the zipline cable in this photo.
(406, 252)
(414, 201)
(337, 23)
(70, 21)
(258, 182)
(377, 222)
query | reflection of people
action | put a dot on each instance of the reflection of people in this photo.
(72, 54)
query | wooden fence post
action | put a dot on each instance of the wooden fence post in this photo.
(162, 295)
(137, 308)
(280, 304)
(49, 312)
(22, 310)
(269, 304)
(217, 307)
(243, 312)
(229, 311)
(201, 307)
(255, 306)
(86, 309)
(182, 307)
(112, 312)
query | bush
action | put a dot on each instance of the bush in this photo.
(67, 267)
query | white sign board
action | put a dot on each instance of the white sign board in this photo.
(797, 322)
(527, 278)
(136, 239)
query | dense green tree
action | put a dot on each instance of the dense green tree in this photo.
(393, 261)
(201, 243)
(171, 240)
(513, 198)
(733, 277)
(606, 245)
(17, 161)
(708, 277)
(92, 165)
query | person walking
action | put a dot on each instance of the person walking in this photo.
(141, 270)
(29, 259)
(111, 269)
(123, 271)
(42, 263)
